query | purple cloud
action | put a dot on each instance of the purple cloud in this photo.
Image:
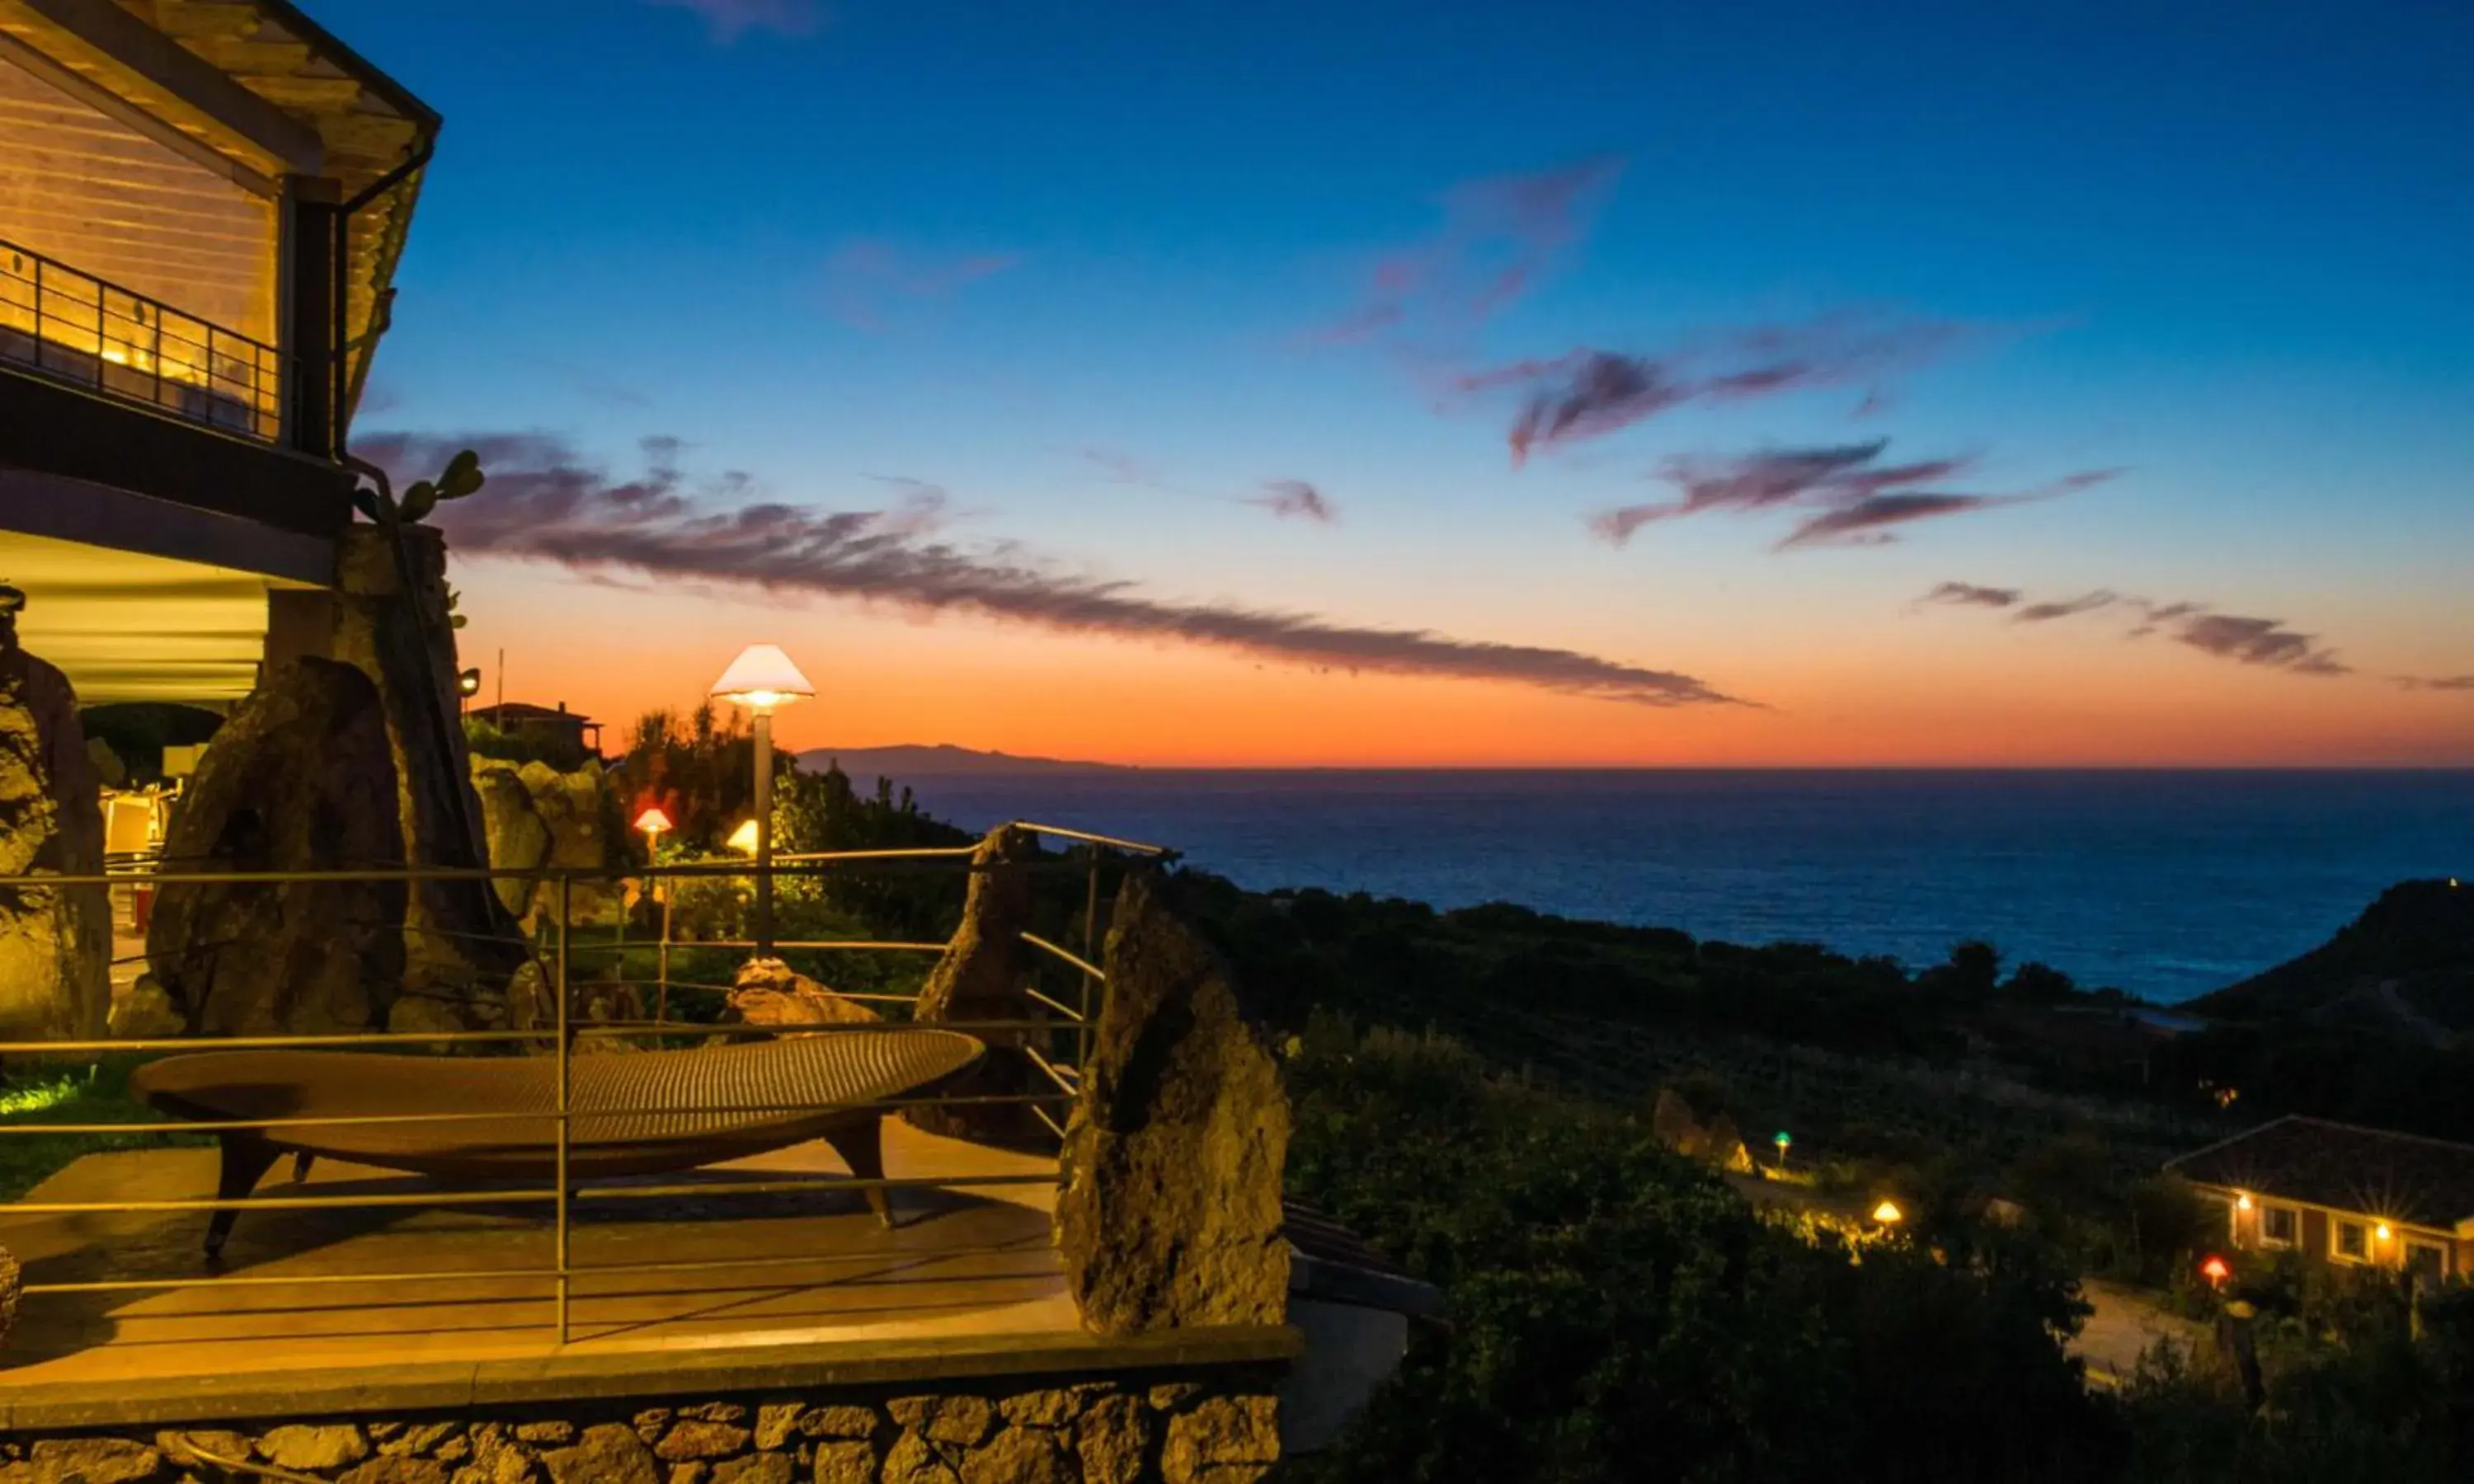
(2436, 682)
(2066, 608)
(867, 275)
(1851, 498)
(1589, 393)
(731, 19)
(2246, 641)
(542, 503)
(1286, 497)
(1499, 237)
(1971, 596)
(2260, 641)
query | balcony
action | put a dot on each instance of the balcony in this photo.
(77, 328)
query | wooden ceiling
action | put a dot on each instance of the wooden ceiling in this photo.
(316, 107)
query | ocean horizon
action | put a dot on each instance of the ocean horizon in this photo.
(2166, 883)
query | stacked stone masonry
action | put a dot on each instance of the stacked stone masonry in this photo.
(1221, 1429)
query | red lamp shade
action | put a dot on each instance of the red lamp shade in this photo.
(653, 821)
(2216, 1270)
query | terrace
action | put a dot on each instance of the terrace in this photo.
(365, 1291)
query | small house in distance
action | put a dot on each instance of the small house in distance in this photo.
(2343, 1194)
(570, 736)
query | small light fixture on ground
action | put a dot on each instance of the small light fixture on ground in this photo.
(1781, 1139)
(1888, 1214)
(763, 679)
(2216, 1270)
(744, 838)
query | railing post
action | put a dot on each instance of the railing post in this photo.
(1090, 947)
(566, 900)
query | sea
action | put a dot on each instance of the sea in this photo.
(2164, 884)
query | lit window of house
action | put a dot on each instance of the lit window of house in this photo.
(2353, 1242)
(2278, 1224)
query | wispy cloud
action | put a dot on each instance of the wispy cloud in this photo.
(2047, 611)
(866, 276)
(2260, 641)
(731, 19)
(1499, 237)
(1972, 595)
(2437, 681)
(1286, 497)
(1848, 495)
(543, 503)
(1588, 393)
(2266, 642)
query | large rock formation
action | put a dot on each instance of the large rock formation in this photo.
(1169, 1211)
(54, 942)
(302, 778)
(982, 977)
(460, 946)
(533, 815)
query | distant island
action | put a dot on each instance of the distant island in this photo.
(942, 760)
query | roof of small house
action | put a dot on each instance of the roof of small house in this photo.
(1328, 1261)
(504, 712)
(2401, 1176)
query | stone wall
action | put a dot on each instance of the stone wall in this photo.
(1208, 1427)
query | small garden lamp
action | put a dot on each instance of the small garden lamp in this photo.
(761, 679)
(653, 823)
(1781, 1139)
(1888, 1214)
(744, 838)
(2216, 1270)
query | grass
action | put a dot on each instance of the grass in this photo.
(97, 1092)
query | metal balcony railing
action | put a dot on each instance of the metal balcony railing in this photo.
(95, 334)
(1053, 1038)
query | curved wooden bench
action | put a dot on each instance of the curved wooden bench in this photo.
(636, 1113)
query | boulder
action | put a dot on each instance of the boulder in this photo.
(54, 942)
(1167, 1212)
(980, 977)
(1723, 1146)
(1672, 1123)
(517, 839)
(301, 778)
(579, 813)
(146, 1012)
(769, 992)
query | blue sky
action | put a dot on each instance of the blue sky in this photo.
(2222, 254)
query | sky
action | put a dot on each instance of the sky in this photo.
(1390, 384)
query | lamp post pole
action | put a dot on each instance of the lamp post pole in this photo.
(763, 832)
(760, 679)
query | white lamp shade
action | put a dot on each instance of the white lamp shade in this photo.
(763, 677)
(744, 838)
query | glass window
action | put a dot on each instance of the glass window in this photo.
(2277, 1224)
(2352, 1241)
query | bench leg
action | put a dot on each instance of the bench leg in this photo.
(301, 1161)
(247, 1157)
(861, 1147)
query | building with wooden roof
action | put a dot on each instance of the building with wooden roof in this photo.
(2343, 1194)
(201, 207)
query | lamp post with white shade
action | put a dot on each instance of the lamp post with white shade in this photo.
(761, 679)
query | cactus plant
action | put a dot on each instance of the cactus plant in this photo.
(462, 477)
